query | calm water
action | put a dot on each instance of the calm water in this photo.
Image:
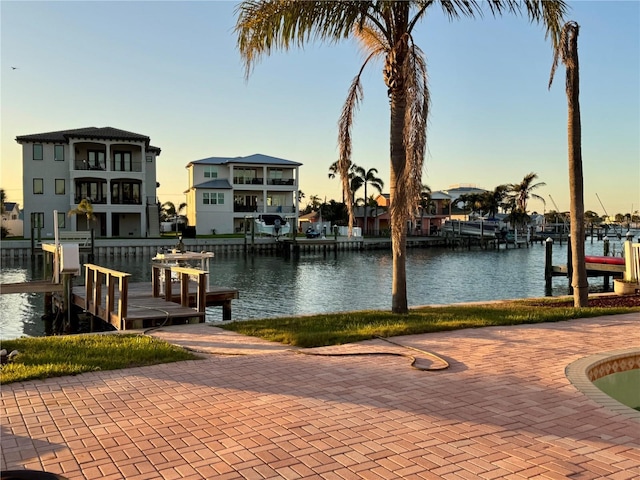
(271, 286)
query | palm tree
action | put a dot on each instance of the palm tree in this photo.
(494, 201)
(424, 202)
(385, 31)
(520, 193)
(362, 178)
(354, 183)
(567, 51)
(169, 210)
(3, 199)
(84, 208)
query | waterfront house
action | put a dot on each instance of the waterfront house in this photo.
(225, 191)
(12, 219)
(113, 169)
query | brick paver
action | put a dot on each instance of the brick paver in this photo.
(504, 409)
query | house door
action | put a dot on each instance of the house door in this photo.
(251, 201)
(115, 225)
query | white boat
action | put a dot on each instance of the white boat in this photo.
(271, 224)
(474, 228)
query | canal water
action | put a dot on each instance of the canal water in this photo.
(271, 286)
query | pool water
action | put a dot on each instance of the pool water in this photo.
(622, 386)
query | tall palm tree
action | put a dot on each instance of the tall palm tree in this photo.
(567, 51)
(362, 178)
(385, 31)
(521, 193)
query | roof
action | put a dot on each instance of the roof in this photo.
(255, 159)
(440, 195)
(9, 206)
(219, 184)
(102, 133)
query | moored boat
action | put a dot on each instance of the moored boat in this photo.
(271, 224)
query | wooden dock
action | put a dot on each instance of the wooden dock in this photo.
(108, 295)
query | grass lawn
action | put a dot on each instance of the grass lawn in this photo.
(349, 327)
(43, 357)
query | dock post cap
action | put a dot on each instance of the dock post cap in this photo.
(549, 240)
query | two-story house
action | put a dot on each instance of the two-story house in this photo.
(113, 169)
(223, 191)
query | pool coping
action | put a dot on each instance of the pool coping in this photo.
(578, 374)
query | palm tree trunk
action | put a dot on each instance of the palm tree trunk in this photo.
(579, 279)
(366, 206)
(397, 204)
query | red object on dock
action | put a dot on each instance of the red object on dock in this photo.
(604, 260)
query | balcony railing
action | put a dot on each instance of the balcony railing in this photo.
(248, 181)
(126, 201)
(281, 209)
(94, 201)
(280, 181)
(245, 208)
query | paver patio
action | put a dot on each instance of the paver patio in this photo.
(503, 410)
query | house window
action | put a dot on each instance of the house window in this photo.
(58, 153)
(37, 151)
(62, 218)
(127, 193)
(37, 219)
(276, 199)
(38, 186)
(122, 161)
(60, 186)
(213, 198)
(275, 173)
(211, 172)
(96, 160)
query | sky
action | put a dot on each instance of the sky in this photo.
(172, 71)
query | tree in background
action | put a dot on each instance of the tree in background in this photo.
(84, 208)
(567, 52)
(384, 30)
(362, 178)
(169, 211)
(518, 198)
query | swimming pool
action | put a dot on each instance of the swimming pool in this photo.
(611, 379)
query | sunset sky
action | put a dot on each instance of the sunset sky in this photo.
(171, 70)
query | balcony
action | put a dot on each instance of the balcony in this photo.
(94, 201)
(245, 208)
(280, 181)
(248, 181)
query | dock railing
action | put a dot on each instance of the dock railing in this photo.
(162, 275)
(95, 277)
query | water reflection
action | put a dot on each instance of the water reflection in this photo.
(271, 286)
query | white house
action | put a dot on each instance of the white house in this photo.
(113, 169)
(11, 219)
(224, 190)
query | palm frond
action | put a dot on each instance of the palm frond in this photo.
(268, 25)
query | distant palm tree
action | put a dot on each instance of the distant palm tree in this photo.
(520, 193)
(362, 178)
(567, 51)
(424, 203)
(385, 30)
(3, 198)
(169, 210)
(494, 201)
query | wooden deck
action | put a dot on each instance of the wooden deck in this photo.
(108, 295)
(146, 311)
